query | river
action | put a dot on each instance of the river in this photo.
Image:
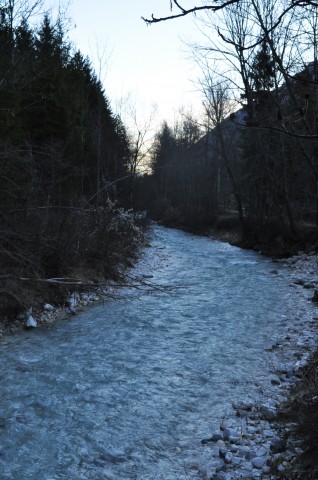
(128, 389)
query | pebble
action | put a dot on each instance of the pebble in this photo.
(258, 462)
(275, 380)
(230, 434)
(261, 452)
(48, 307)
(278, 445)
(228, 457)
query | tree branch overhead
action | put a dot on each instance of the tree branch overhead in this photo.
(214, 8)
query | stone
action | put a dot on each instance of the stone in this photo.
(250, 454)
(285, 367)
(228, 457)
(244, 451)
(48, 307)
(215, 437)
(258, 462)
(278, 445)
(72, 300)
(237, 461)
(266, 469)
(315, 297)
(30, 321)
(243, 405)
(220, 443)
(261, 452)
(275, 380)
(251, 430)
(222, 452)
(244, 474)
(282, 467)
(225, 424)
(268, 412)
(230, 434)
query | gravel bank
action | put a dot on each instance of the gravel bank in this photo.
(251, 442)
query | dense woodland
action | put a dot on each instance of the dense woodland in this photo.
(257, 155)
(69, 168)
(64, 160)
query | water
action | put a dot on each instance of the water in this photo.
(128, 390)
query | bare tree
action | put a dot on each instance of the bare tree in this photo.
(140, 124)
(217, 107)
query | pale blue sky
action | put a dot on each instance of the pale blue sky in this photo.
(151, 63)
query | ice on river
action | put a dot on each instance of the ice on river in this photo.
(129, 389)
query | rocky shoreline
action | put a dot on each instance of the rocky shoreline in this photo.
(46, 315)
(253, 442)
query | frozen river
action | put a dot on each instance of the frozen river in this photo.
(127, 390)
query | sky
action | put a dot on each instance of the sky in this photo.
(150, 64)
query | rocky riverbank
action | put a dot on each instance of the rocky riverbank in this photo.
(259, 440)
(46, 315)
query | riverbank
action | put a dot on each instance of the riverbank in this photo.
(47, 314)
(272, 241)
(278, 438)
(86, 258)
(73, 302)
(298, 415)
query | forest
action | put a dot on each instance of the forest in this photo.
(70, 170)
(70, 174)
(253, 154)
(64, 171)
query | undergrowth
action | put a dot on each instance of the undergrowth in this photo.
(88, 243)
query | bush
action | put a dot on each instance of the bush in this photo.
(82, 242)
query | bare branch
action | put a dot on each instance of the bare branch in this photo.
(213, 8)
(313, 138)
(304, 3)
(263, 37)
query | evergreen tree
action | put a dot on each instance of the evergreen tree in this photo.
(263, 70)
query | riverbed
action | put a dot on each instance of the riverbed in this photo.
(129, 388)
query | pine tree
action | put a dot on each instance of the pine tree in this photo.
(263, 70)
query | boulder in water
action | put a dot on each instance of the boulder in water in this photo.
(30, 321)
(315, 297)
